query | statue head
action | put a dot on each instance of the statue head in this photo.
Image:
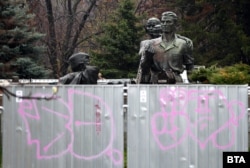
(168, 22)
(79, 61)
(153, 27)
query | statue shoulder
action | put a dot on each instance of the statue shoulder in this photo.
(66, 79)
(155, 41)
(144, 42)
(92, 68)
(91, 74)
(187, 40)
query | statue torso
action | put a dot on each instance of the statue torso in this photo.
(169, 56)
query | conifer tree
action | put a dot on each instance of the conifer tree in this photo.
(120, 43)
(217, 37)
(18, 40)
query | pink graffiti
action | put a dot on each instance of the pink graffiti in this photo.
(98, 119)
(177, 125)
(53, 146)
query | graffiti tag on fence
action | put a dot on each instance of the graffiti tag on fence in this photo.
(188, 113)
(50, 142)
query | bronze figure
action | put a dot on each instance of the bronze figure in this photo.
(82, 73)
(167, 56)
(153, 29)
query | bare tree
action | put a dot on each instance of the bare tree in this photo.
(70, 25)
(52, 44)
(63, 21)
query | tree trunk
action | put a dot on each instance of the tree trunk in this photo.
(52, 42)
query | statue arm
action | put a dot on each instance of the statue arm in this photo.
(147, 60)
(146, 63)
(188, 58)
(66, 79)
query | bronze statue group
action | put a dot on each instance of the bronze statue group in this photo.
(163, 57)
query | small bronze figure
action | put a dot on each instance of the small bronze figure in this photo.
(82, 73)
(168, 55)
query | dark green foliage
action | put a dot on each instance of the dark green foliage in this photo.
(18, 39)
(27, 69)
(201, 75)
(217, 36)
(234, 74)
(120, 44)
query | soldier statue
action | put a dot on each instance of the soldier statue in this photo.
(82, 73)
(169, 55)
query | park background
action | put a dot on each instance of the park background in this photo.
(37, 37)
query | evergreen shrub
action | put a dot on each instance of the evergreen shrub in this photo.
(234, 74)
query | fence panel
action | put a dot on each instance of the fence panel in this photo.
(180, 126)
(81, 128)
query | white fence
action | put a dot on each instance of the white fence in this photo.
(186, 125)
(81, 128)
(171, 126)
